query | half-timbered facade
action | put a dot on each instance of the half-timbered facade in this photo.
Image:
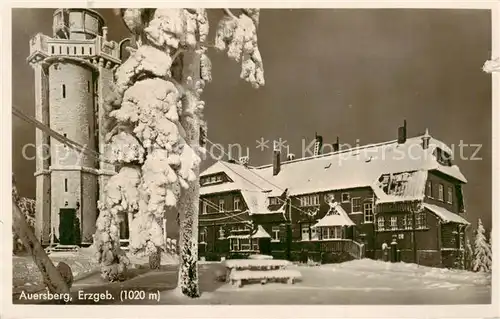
(340, 205)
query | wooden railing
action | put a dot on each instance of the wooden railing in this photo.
(355, 249)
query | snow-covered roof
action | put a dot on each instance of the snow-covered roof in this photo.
(445, 215)
(261, 233)
(336, 216)
(356, 167)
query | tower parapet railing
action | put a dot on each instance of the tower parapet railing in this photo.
(47, 46)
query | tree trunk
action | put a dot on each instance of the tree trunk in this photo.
(155, 259)
(189, 201)
(51, 276)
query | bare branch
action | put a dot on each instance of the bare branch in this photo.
(229, 13)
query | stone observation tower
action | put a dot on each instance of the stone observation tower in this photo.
(73, 72)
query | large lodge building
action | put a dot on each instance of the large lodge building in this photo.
(338, 206)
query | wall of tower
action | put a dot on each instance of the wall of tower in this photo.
(71, 112)
(73, 173)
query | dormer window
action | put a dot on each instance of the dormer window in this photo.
(213, 179)
(443, 157)
(274, 200)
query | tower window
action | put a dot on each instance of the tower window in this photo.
(52, 49)
(74, 50)
(67, 50)
(66, 185)
(90, 51)
(83, 50)
(60, 50)
(64, 90)
(88, 86)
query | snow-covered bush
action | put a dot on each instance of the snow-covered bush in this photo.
(482, 250)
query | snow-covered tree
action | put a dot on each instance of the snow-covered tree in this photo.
(157, 128)
(482, 250)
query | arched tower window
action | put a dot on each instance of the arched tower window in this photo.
(66, 185)
(63, 90)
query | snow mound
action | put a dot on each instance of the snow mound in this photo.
(255, 263)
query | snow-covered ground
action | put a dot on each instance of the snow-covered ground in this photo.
(25, 274)
(356, 282)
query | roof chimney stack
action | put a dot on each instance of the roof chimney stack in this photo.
(318, 145)
(276, 158)
(336, 145)
(425, 139)
(402, 133)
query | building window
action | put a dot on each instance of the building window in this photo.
(204, 206)
(276, 233)
(429, 189)
(60, 50)
(90, 51)
(222, 204)
(394, 222)
(441, 192)
(234, 244)
(309, 200)
(420, 220)
(203, 235)
(356, 205)
(381, 223)
(67, 50)
(409, 221)
(314, 233)
(255, 245)
(236, 203)
(63, 90)
(83, 50)
(66, 185)
(406, 222)
(74, 50)
(368, 212)
(449, 197)
(52, 49)
(305, 231)
(245, 244)
(345, 197)
(331, 232)
(88, 86)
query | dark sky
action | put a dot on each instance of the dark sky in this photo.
(356, 74)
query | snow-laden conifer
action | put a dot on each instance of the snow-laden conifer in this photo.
(482, 250)
(156, 114)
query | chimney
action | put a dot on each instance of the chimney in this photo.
(276, 159)
(336, 145)
(318, 145)
(425, 139)
(402, 133)
(244, 160)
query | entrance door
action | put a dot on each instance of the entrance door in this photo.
(67, 235)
